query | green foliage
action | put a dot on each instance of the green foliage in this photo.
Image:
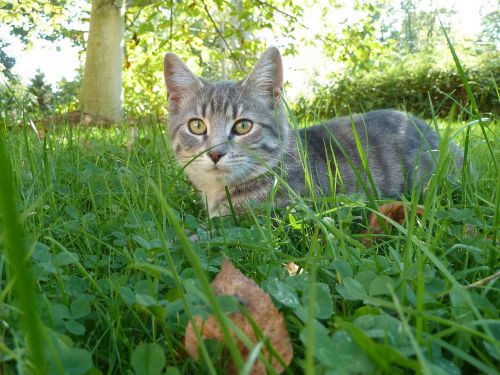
(13, 98)
(73, 362)
(42, 91)
(409, 85)
(50, 20)
(357, 45)
(389, 62)
(148, 359)
(385, 52)
(491, 27)
(420, 29)
(6, 62)
(66, 95)
(216, 39)
(38, 99)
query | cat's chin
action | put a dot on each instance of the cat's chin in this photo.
(227, 177)
(216, 177)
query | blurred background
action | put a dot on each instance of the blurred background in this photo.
(339, 56)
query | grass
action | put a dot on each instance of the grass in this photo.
(116, 281)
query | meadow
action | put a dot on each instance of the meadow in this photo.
(120, 251)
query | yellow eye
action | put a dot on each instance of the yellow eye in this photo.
(197, 126)
(242, 127)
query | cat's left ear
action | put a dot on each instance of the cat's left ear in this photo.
(180, 81)
(267, 75)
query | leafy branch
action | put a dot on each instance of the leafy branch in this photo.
(233, 56)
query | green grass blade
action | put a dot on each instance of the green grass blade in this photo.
(468, 90)
(17, 252)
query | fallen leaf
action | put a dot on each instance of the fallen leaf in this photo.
(259, 307)
(394, 211)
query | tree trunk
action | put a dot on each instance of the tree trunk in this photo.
(101, 90)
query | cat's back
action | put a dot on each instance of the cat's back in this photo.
(386, 123)
(393, 143)
(385, 130)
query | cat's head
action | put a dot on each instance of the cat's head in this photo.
(227, 132)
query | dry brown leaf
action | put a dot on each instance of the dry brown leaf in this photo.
(394, 211)
(259, 306)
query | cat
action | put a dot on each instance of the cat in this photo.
(236, 135)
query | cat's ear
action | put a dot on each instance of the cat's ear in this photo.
(267, 75)
(180, 81)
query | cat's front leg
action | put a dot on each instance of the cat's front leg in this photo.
(219, 210)
(217, 204)
(220, 206)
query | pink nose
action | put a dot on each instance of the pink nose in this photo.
(215, 155)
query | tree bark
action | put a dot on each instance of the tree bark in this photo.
(101, 91)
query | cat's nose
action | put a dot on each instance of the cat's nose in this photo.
(215, 155)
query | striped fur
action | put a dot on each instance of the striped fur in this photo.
(398, 147)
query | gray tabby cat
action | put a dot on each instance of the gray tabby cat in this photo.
(233, 133)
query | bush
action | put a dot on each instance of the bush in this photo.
(407, 86)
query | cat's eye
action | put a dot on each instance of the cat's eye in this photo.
(197, 126)
(242, 126)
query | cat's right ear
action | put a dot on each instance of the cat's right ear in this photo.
(180, 81)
